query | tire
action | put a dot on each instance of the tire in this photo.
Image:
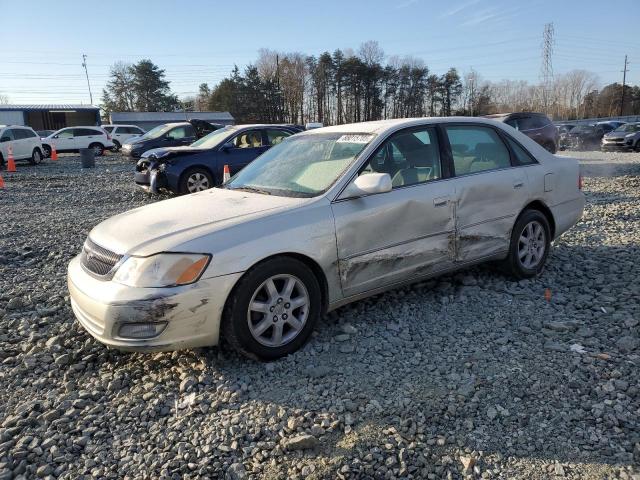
(254, 332)
(637, 149)
(36, 157)
(46, 149)
(1, 162)
(98, 149)
(196, 180)
(116, 146)
(526, 260)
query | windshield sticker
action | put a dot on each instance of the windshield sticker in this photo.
(355, 138)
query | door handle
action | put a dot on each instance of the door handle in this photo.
(518, 185)
(440, 201)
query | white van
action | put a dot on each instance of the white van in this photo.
(72, 139)
(24, 142)
(121, 133)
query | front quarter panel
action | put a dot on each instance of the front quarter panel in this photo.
(306, 230)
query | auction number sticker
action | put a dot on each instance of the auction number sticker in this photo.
(355, 138)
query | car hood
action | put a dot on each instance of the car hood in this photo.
(166, 225)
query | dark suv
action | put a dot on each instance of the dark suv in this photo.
(536, 126)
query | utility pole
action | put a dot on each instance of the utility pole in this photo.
(624, 80)
(84, 64)
(546, 71)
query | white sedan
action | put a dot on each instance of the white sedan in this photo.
(325, 218)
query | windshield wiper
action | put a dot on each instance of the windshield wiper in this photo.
(252, 189)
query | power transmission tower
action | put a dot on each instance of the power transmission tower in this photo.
(84, 64)
(546, 71)
(624, 80)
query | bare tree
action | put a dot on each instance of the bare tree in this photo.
(371, 52)
(4, 99)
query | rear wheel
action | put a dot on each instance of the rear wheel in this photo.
(196, 180)
(273, 309)
(530, 244)
(98, 149)
(36, 157)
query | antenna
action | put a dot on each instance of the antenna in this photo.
(84, 64)
(546, 70)
(624, 80)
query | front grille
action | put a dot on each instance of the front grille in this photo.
(96, 259)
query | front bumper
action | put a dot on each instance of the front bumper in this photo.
(192, 312)
(129, 152)
(621, 144)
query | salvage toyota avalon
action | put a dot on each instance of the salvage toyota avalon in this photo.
(327, 217)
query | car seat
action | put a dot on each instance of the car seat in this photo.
(423, 166)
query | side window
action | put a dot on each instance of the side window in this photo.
(31, 134)
(19, 133)
(178, 133)
(522, 157)
(66, 133)
(275, 136)
(526, 123)
(476, 149)
(248, 139)
(86, 132)
(409, 157)
(8, 134)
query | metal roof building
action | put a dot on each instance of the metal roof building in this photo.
(49, 117)
(148, 120)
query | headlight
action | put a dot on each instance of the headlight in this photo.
(629, 135)
(162, 270)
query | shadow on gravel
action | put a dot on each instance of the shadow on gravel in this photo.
(609, 169)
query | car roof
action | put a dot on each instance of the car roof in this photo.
(380, 126)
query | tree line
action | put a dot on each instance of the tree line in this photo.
(352, 86)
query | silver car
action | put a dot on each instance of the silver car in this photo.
(625, 137)
(325, 218)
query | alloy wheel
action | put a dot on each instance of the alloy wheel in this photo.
(278, 310)
(531, 245)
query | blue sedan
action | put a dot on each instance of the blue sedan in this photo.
(201, 165)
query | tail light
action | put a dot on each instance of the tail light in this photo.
(108, 137)
(580, 183)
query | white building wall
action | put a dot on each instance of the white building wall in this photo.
(13, 117)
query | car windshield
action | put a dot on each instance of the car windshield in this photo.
(214, 138)
(582, 128)
(302, 165)
(628, 127)
(157, 131)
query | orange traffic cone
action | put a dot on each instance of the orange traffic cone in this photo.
(54, 153)
(226, 174)
(11, 163)
(1, 182)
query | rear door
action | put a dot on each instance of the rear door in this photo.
(20, 144)
(86, 136)
(490, 192)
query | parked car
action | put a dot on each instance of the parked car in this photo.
(536, 126)
(168, 135)
(44, 133)
(614, 123)
(325, 218)
(200, 166)
(24, 142)
(563, 132)
(72, 139)
(625, 137)
(586, 137)
(121, 133)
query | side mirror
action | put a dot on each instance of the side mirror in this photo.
(5, 139)
(227, 146)
(56, 136)
(368, 184)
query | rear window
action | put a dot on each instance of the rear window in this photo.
(108, 129)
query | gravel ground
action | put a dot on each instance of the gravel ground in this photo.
(468, 376)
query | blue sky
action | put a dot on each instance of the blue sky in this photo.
(199, 41)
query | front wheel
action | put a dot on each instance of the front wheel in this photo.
(47, 151)
(98, 149)
(196, 180)
(36, 157)
(530, 244)
(116, 146)
(273, 309)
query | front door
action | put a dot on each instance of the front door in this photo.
(490, 193)
(247, 146)
(406, 233)
(64, 140)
